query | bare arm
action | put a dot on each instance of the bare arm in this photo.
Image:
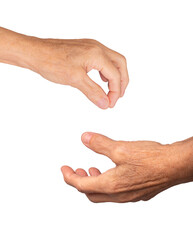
(68, 62)
(15, 49)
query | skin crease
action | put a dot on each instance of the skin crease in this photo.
(142, 169)
(68, 62)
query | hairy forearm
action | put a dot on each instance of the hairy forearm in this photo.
(17, 49)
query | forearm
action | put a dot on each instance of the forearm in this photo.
(17, 49)
(184, 163)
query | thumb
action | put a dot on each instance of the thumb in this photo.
(98, 143)
(94, 92)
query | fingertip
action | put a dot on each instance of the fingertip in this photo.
(98, 143)
(111, 106)
(86, 137)
(94, 171)
(63, 168)
(81, 172)
(112, 103)
(113, 98)
(103, 103)
(66, 171)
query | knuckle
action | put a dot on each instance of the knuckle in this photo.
(115, 152)
(94, 41)
(90, 40)
(80, 188)
(123, 59)
(118, 151)
(96, 50)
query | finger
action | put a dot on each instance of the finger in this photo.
(82, 184)
(94, 171)
(120, 62)
(124, 78)
(103, 78)
(124, 75)
(124, 81)
(81, 172)
(67, 173)
(94, 92)
(98, 143)
(111, 73)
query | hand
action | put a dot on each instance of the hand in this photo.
(68, 62)
(143, 169)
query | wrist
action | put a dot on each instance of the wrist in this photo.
(182, 155)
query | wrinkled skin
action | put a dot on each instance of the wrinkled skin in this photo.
(142, 169)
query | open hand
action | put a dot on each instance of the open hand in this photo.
(142, 169)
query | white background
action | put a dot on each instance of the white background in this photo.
(41, 122)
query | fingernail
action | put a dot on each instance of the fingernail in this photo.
(86, 138)
(103, 103)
